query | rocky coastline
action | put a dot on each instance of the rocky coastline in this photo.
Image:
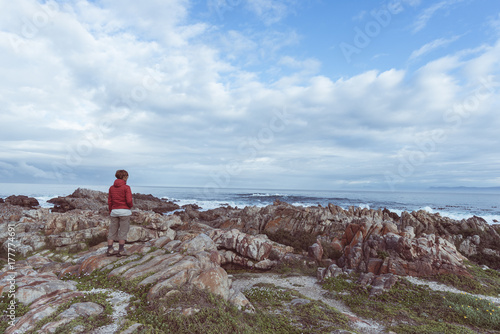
(174, 248)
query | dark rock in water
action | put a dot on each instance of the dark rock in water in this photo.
(61, 205)
(21, 200)
(86, 199)
(145, 197)
(152, 203)
(191, 206)
(83, 199)
(90, 194)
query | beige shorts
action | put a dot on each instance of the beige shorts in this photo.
(118, 228)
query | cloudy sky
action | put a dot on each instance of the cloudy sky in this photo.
(283, 94)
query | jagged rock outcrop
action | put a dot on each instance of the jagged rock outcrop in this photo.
(330, 223)
(424, 222)
(472, 237)
(83, 199)
(86, 199)
(316, 251)
(252, 251)
(383, 248)
(75, 229)
(151, 203)
(22, 200)
(382, 251)
(330, 220)
(10, 213)
(327, 222)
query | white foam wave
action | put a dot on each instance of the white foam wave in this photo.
(268, 195)
(490, 219)
(306, 205)
(206, 204)
(43, 201)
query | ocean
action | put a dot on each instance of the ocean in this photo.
(454, 204)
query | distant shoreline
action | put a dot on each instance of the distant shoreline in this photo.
(462, 188)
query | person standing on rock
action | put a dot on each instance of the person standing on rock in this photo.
(120, 205)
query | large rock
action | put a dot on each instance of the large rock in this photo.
(155, 221)
(380, 249)
(257, 248)
(31, 284)
(332, 271)
(76, 220)
(201, 242)
(74, 230)
(316, 251)
(152, 203)
(87, 199)
(21, 200)
(83, 199)
(378, 283)
(282, 220)
(139, 233)
(193, 262)
(61, 205)
(215, 280)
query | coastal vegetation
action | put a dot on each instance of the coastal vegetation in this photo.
(411, 308)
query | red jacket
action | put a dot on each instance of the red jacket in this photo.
(120, 196)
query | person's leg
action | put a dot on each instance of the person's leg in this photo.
(122, 234)
(112, 234)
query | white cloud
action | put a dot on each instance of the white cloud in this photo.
(422, 20)
(151, 19)
(485, 64)
(435, 44)
(35, 172)
(270, 11)
(180, 99)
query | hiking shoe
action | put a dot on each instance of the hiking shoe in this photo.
(111, 252)
(122, 253)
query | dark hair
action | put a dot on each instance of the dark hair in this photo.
(121, 173)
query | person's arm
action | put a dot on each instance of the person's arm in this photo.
(128, 197)
(109, 201)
